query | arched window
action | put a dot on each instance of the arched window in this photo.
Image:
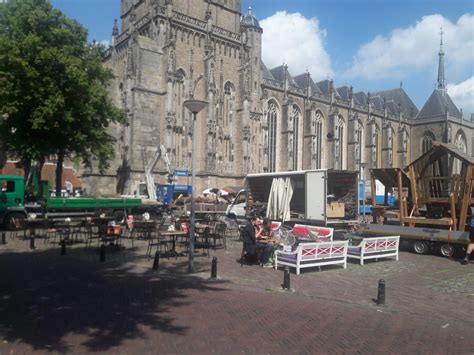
(179, 140)
(377, 151)
(360, 146)
(272, 119)
(316, 144)
(339, 135)
(461, 143)
(427, 141)
(295, 115)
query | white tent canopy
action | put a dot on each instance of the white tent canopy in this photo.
(281, 192)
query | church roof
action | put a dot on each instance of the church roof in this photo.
(301, 79)
(265, 72)
(250, 21)
(376, 102)
(361, 97)
(344, 92)
(278, 73)
(399, 97)
(436, 106)
(325, 88)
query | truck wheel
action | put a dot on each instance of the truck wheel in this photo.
(421, 247)
(14, 221)
(447, 250)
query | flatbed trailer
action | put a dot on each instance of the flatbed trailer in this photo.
(421, 239)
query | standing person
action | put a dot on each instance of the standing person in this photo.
(470, 246)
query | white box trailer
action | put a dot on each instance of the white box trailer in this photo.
(317, 196)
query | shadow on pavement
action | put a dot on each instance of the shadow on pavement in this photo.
(44, 298)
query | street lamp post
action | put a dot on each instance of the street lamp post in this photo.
(195, 106)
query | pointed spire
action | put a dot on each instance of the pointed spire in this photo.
(115, 29)
(250, 8)
(441, 62)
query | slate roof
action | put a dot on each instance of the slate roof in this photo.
(300, 80)
(377, 102)
(344, 92)
(361, 97)
(325, 87)
(249, 20)
(398, 96)
(436, 106)
(278, 73)
(265, 72)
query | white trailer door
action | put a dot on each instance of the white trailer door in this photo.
(315, 182)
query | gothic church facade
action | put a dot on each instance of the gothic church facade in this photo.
(257, 119)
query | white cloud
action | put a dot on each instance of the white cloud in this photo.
(105, 43)
(463, 96)
(297, 41)
(415, 48)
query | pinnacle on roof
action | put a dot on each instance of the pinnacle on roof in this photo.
(250, 21)
(441, 78)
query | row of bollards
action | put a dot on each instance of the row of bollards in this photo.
(380, 292)
(156, 265)
(4, 241)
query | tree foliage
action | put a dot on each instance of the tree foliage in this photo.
(53, 95)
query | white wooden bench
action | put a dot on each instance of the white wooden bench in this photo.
(375, 248)
(313, 254)
(324, 234)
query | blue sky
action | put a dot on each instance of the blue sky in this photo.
(369, 44)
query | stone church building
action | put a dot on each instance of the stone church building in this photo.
(257, 119)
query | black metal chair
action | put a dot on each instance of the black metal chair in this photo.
(219, 233)
(156, 240)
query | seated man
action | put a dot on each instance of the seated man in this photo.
(262, 232)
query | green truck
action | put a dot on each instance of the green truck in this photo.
(14, 208)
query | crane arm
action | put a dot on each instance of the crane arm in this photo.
(150, 181)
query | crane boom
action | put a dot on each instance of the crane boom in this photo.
(150, 181)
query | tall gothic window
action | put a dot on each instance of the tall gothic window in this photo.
(340, 143)
(296, 120)
(272, 119)
(316, 149)
(461, 143)
(180, 139)
(227, 124)
(360, 146)
(377, 151)
(427, 141)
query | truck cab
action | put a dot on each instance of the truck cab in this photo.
(237, 209)
(12, 200)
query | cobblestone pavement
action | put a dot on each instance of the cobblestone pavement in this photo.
(74, 303)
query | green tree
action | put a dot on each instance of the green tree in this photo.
(53, 94)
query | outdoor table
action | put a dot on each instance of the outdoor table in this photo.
(146, 227)
(173, 235)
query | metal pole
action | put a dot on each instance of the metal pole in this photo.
(193, 178)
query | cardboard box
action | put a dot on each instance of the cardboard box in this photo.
(335, 210)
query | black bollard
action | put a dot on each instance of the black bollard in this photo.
(4, 241)
(381, 293)
(102, 253)
(32, 242)
(286, 278)
(214, 268)
(156, 261)
(63, 247)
